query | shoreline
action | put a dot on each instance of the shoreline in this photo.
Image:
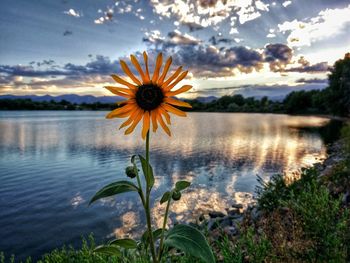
(218, 224)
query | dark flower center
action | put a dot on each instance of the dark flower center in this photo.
(149, 97)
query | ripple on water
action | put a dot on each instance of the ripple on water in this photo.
(51, 164)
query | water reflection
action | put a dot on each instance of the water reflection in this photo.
(58, 160)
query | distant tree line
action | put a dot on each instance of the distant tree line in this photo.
(28, 104)
(335, 99)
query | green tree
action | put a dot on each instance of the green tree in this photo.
(338, 92)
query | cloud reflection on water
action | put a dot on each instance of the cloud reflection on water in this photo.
(220, 153)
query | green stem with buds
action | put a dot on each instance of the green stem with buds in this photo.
(147, 206)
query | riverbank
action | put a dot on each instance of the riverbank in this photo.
(293, 219)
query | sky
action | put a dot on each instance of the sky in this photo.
(249, 47)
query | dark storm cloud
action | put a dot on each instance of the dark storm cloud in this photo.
(30, 71)
(100, 65)
(318, 67)
(208, 61)
(278, 56)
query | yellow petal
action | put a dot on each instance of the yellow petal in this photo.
(154, 120)
(131, 118)
(166, 114)
(135, 122)
(174, 110)
(121, 110)
(179, 78)
(157, 69)
(145, 58)
(164, 126)
(177, 102)
(123, 82)
(172, 77)
(145, 127)
(138, 67)
(183, 89)
(165, 71)
(128, 72)
(123, 90)
(119, 93)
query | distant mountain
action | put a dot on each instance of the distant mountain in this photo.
(72, 98)
(206, 99)
(78, 99)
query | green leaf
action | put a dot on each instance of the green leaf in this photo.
(148, 175)
(181, 185)
(125, 243)
(191, 241)
(166, 196)
(113, 189)
(108, 250)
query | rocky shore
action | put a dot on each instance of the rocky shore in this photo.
(218, 223)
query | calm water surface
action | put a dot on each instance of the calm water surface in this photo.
(51, 164)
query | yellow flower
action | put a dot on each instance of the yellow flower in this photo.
(148, 98)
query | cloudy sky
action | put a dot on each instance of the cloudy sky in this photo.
(252, 47)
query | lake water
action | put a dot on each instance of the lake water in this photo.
(51, 164)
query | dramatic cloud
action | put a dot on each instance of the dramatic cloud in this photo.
(327, 24)
(278, 55)
(318, 67)
(174, 38)
(205, 13)
(99, 66)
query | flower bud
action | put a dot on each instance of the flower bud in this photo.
(176, 195)
(130, 171)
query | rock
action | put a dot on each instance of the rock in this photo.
(230, 231)
(226, 221)
(215, 214)
(233, 212)
(255, 214)
(239, 219)
(238, 206)
(213, 224)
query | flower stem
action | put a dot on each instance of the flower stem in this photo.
(147, 205)
(160, 251)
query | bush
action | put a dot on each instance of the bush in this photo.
(248, 248)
